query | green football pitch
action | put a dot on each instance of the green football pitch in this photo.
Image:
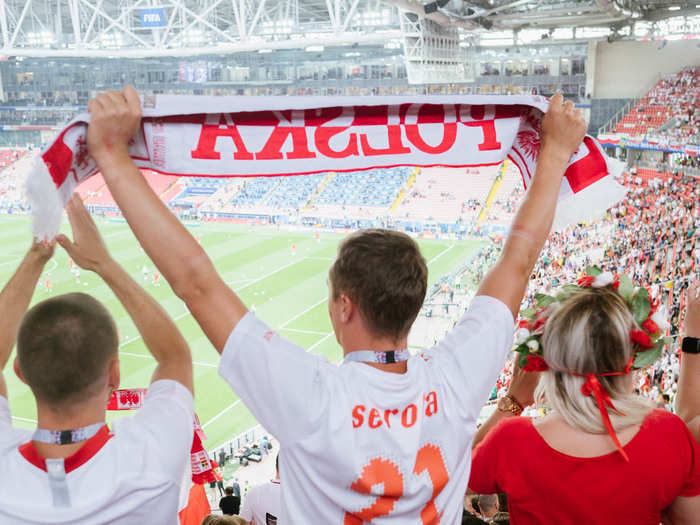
(289, 293)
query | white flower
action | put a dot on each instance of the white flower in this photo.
(603, 279)
(533, 345)
(521, 335)
(659, 318)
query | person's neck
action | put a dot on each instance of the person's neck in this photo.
(359, 341)
(77, 416)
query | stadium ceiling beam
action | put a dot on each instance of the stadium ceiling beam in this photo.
(3, 24)
(439, 17)
(344, 39)
(612, 8)
(117, 28)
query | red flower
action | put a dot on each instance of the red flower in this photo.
(641, 339)
(524, 323)
(535, 363)
(586, 281)
(616, 282)
(650, 326)
(653, 306)
(540, 322)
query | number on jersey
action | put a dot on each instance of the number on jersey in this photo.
(380, 470)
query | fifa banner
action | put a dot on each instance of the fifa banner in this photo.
(273, 136)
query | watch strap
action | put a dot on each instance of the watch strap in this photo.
(691, 345)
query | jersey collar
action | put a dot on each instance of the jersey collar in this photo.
(89, 449)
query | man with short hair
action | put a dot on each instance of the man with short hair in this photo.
(488, 503)
(262, 504)
(381, 437)
(73, 469)
(230, 504)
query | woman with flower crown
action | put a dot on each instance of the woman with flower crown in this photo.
(602, 454)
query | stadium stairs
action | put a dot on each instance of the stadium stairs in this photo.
(493, 191)
(404, 190)
(318, 191)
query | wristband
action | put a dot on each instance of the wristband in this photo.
(690, 345)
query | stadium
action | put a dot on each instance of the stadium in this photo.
(632, 69)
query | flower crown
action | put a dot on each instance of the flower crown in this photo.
(646, 336)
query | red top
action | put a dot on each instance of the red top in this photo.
(547, 486)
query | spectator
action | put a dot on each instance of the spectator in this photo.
(488, 503)
(230, 504)
(330, 453)
(73, 468)
(654, 468)
(236, 488)
(262, 504)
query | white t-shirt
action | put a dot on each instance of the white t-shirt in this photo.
(354, 437)
(131, 475)
(262, 503)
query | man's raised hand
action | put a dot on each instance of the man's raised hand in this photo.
(115, 117)
(87, 249)
(563, 128)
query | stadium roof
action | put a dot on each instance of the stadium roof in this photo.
(192, 27)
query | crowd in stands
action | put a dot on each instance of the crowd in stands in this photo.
(13, 173)
(670, 110)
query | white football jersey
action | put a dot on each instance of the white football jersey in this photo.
(262, 503)
(132, 474)
(361, 445)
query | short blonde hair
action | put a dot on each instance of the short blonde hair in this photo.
(590, 333)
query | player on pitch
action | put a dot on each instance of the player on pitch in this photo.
(383, 436)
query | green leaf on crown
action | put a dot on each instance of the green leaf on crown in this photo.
(527, 313)
(544, 300)
(644, 359)
(566, 291)
(641, 305)
(522, 360)
(626, 288)
(593, 271)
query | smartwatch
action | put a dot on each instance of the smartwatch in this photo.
(691, 345)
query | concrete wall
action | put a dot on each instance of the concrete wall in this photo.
(628, 69)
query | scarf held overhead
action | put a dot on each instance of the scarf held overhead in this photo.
(278, 136)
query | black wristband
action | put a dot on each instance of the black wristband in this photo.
(691, 345)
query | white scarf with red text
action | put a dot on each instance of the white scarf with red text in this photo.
(273, 136)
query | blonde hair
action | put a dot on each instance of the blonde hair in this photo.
(590, 333)
(213, 519)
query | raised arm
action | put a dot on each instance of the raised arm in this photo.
(688, 399)
(563, 129)
(159, 333)
(114, 119)
(15, 298)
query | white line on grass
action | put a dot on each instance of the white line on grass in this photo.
(13, 261)
(297, 316)
(217, 416)
(314, 332)
(24, 419)
(320, 341)
(443, 252)
(253, 281)
(144, 356)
